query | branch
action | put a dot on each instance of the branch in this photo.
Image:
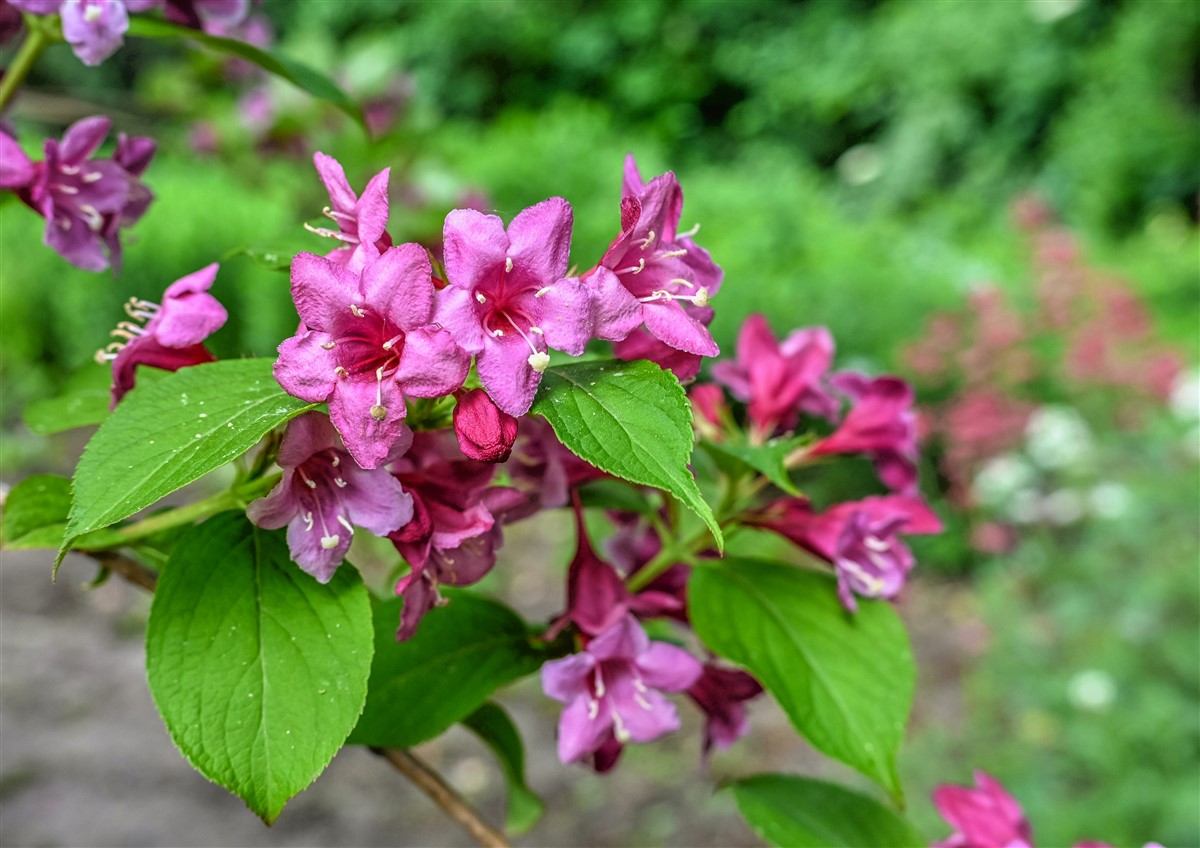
(453, 804)
(134, 572)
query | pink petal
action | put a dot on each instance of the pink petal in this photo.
(615, 312)
(399, 286)
(368, 439)
(668, 667)
(376, 501)
(632, 184)
(334, 178)
(312, 556)
(578, 733)
(565, 317)
(457, 310)
(306, 434)
(372, 208)
(624, 640)
(431, 364)
(322, 289)
(505, 372)
(475, 246)
(567, 678)
(540, 240)
(16, 170)
(189, 314)
(305, 368)
(672, 325)
(277, 508)
(644, 715)
(82, 138)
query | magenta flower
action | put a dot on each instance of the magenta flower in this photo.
(983, 817)
(85, 201)
(507, 300)
(860, 539)
(779, 381)
(367, 342)
(455, 531)
(614, 688)
(881, 424)
(213, 16)
(653, 274)
(485, 432)
(545, 469)
(95, 29)
(640, 344)
(361, 220)
(721, 693)
(16, 171)
(173, 332)
(324, 494)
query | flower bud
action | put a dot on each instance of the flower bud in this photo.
(485, 432)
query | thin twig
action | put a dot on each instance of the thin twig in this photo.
(453, 804)
(134, 572)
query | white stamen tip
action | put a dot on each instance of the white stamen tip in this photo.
(312, 484)
(328, 345)
(92, 13)
(541, 291)
(537, 330)
(349, 527)
(479, 297)
(340, 372)
(507, 263)
(701, 298)
(92, 176)
(339, 482)
(539, 361)
(378, 412)
(358, 313)
(330, 542)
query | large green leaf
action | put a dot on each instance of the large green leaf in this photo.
(460, 655)
(492, 724)
(767, 458)
(845, 680)
(798, 812)
(297, 73)
(258, 670)
(35, 512)
(631, 419)
(164, 436)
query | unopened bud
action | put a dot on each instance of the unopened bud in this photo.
(485, 432)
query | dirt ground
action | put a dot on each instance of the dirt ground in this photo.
(86, 761)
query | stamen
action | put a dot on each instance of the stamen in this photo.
(307, 482)
(479, 297)
(600, 690)
(378, 410)
(671, 254)
(358, 313)
(336, 461)
(136, 329)
(875, 543)
(497, 334)
(507, 263)
(64, 224)
(537, 330)
(342, 521)
(94, 219)
(90, 176)
(340, 372)
(541, 291)
(619, 728)
(69, 170)
(388, 344)
(647, 241)
(103, 358)
(539, 362)
(328, 345)
(308, 522)
(132, 310)
(634, 269)
(641, 701)
(64, 189)
(321, 231)
(92, 13)
(124, 334)
(593, 709)
(695, 229)
(339, 482)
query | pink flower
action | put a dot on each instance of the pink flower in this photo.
(653, 274)
(721, 694)
(485, 432)
(367, 342)
(85, 201)
(173, 332)
(324, 494)
(507, 300)
(881, 424)
(361, 220)
(613, 689)
(640, 344)
(212, 16)
(544, 469)
(455, 531)
(779, 381)
(983, 817)
(95, 29)
(859, 538)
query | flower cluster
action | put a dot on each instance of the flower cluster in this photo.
(85, 201)
(986, 816)
(96, 29)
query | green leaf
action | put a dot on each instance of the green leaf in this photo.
(631, 419)
(845, 680)
(767, 459)
(35, 512)
(258, 670)
(84, 400)
(297, 73)
(492, 724)
(460, 655)
(613, 494)
(797, 812)
(164, 436)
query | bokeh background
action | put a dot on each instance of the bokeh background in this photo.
(995, 199)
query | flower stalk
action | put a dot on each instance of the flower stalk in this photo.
(37, 39)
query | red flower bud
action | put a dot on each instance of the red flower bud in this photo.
(485, 432)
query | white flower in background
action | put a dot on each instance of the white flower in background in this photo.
(1185, 396)
(1109, 500)
(1062, 507)
(1057, 437)
(1001, 478)
(1093, 690)
(1025, 506)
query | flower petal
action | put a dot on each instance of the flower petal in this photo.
(82, 138)
(457, 311)
(475, 246)
(305, 368)
(369, 439)
(399, 286)
(668, 667)
(277, 508)
(189, 314)
(565, 315)
(540, 241)
(322, 290)
(670, 324)
(505, 372)
(306, 434)
(431, 364)
(334, 177)
(644, 714)
(375, 500)
(579, 733)
(567, 678)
